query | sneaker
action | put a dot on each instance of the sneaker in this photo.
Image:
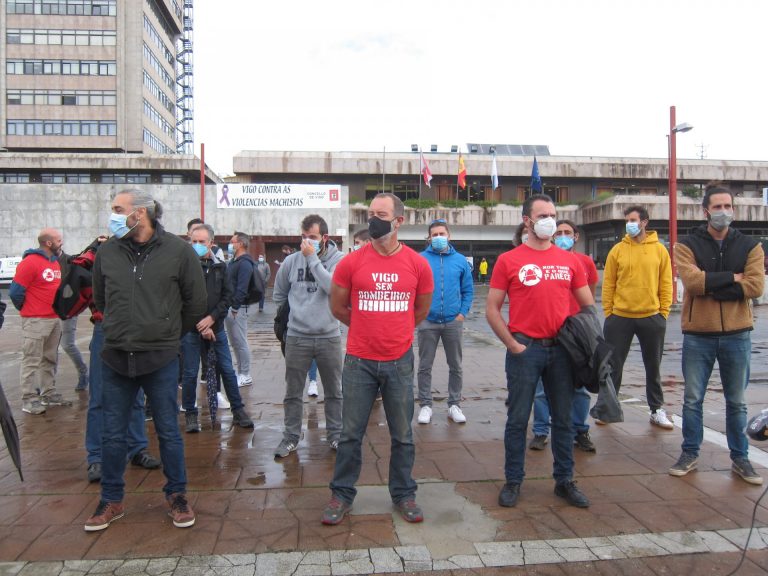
(192, 423)
(106, 513)
(743, 467)
(684, 464)
(33, 406)
(571, 494)
(425, 415)
(334, 512)
(240, 418)
(82, 383)
(285, 447)
(600, 422)
(181, 512)
(508, 495)
(584, 442)
(538, 442)
(145, 460)
(222, 401)
(455, 414)
(54, 399)
(312, 388)
(94, 472)
(659, 418)
(334, 445)
(244, 380)
(410, 511)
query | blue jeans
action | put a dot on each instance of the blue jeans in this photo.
(579, 411)
(137, 435)
(524, 370)
(191, 348)
(361, 380)
(733, 355)
(312, 373)
(118, 394)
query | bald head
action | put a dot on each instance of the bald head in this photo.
(50, 241)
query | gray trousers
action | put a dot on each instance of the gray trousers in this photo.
(299, 352)
(69, 345)
(429, 333)
(237, 331)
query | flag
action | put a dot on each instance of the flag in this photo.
(494, 174)
(462, 173)
(535, 178)
(425, 171)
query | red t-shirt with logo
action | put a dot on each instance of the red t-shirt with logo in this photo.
(40, 278)
(590, 271)
(383, 292)
(539, 285)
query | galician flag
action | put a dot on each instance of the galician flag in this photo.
(425, 171)
(462, 173)
(494, 174)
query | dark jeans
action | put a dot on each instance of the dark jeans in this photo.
(192, 348)
(650, 332)
(552, 365)
(118, 395)
(361, 380)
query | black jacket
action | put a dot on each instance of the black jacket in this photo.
(219, 290)
(150, 295)
(240, 271)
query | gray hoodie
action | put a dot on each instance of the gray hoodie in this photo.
(306, 284)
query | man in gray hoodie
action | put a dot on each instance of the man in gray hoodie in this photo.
(304, 280)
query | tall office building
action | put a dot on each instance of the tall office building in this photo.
(96, 76)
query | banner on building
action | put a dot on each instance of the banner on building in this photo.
(277, 196)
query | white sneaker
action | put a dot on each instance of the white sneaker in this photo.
(312, 388)
(223, 402)
(455, 414)
(425, 415)
(659, 418)
(244, 380)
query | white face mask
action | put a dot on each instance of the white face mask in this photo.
(545, 228)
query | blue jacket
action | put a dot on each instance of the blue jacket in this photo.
(453, 285)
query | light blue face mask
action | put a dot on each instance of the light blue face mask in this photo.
(200, 249)
(633, 228)
(230, 249)
(315, 245)
(564, 242)
(439, 243)
(118, 224)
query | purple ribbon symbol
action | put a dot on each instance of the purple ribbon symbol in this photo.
(224, 192)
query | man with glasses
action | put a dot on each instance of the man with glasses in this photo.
(239, 271)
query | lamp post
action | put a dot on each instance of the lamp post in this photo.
(674, 128)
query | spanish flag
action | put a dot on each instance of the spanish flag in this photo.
(462, 173)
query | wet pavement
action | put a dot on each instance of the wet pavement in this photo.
(257, 515)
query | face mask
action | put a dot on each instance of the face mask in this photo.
(200, 249)
(355, 247)
(261, 258)
(379, 228)
(230, 249)
(633, 229)
(564, 242)
(524, 238)
(720, 219)
(439, 243)
(315, 245)
(118, 225)
(545, 228)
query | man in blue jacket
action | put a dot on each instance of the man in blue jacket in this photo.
(451, 301)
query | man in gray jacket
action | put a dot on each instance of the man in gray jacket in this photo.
(304, 279)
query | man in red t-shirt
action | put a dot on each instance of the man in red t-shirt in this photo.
(32, 291)
(381, 291)
(539, 279)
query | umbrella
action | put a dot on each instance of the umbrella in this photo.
(211, 379)
(10, 432)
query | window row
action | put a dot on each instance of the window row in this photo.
(63, 97)
(63, 7)
(158, 119)
(170, 31)
(64, 67)
(158, 93)
(62, 37)
(61, 128)
(87, 178)
(14, 178)
(158, 41)
(158, 67)
(62, 178)
(156, 144)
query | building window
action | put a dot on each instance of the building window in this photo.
(44, 37)
(172, 179)
(62, 97)
(156, 144)
(61, 127)
(14, 178)
(63, 7)
(64, 67)
(125, 178)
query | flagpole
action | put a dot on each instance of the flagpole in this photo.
(457, 180)
(384, 170)
(421, 172)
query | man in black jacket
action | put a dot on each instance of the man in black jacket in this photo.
(210, 332)
(150, 287)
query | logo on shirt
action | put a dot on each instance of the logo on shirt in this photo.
(49, 275)
(530, 275)
(383, 298)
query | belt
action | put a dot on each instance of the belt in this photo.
(543, 342)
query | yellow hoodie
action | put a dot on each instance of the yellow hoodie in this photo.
(637, 281)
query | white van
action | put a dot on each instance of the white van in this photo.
(8, 268)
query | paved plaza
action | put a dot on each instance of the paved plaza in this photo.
(256, 515)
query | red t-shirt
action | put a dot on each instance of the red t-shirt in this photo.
(383, 292)
(539, 285)
(40, 278)
(590, 271)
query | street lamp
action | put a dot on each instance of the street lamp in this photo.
(674, 128)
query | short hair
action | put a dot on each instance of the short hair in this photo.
(715, 188)
(243, 238)
(641, 211)
(535, 198)
(438, 222)
(570, 223)
(208, 228)
(313, 219)
(363, 235)
(193, 222)
(141, 199)
(399, 207)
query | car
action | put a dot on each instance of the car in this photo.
(8, 268)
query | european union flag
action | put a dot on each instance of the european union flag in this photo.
(536, 187)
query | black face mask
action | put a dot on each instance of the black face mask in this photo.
(378, 227)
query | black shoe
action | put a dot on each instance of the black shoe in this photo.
(508, 495)
(94, 472)
(571, 494)
(145, 460)
(191, 422)
(584, 442)
(241, 418)
(538, 442)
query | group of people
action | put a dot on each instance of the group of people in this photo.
(155, 294)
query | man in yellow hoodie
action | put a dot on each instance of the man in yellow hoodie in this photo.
(637, 295)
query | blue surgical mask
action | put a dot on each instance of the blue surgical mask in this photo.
(439, 243)
(230, 249)
(633, 229)
(200, 249)
(564, 242)
(118, 224)
(315, 245)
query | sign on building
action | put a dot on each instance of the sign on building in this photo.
(277, 196)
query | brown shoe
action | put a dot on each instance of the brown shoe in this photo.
(181, 512)
(106, 513)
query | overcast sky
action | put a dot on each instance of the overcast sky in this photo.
(586, 78)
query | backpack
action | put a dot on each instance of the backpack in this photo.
(256, 287)
(281, 323)
(74, 293)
